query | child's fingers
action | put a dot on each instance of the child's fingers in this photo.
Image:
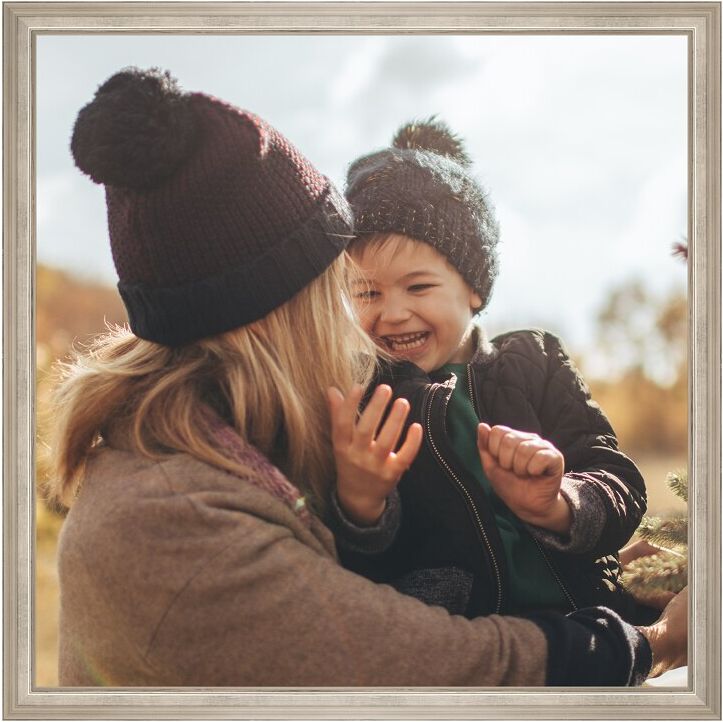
(524, 454)
(351, 403)
(409, 449)
(507, 449)
(546, 462)
(391, 429)
(366, 427)
(342, 424)
(489, 463)
(483, 436)
(504, 443)
(497, 433)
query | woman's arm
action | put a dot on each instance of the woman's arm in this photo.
(270, 610)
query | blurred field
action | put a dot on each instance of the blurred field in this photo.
(649, 416)
(46, 599)
(655, 469)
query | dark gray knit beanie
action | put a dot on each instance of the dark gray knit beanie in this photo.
(422, 187)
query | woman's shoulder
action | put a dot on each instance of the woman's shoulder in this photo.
(122, 477)
(129, 500)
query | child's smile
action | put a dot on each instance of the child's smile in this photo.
(405, 342)
(414, 303)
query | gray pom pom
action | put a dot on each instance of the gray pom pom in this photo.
(434, 136)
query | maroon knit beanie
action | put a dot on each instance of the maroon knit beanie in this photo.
(214, 217)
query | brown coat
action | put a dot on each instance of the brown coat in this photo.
(175, 573)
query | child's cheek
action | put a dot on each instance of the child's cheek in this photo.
(367, 324)
(364, 315)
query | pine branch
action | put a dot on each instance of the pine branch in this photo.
(666, 532)
(678, 483)
(646, 576)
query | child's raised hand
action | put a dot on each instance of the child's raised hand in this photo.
(526, 473)
(367, 466)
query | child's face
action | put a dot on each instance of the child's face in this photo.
(413, 303)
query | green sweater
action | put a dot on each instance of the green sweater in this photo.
(531, 583)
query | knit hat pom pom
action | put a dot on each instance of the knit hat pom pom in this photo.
(433, 136)
(136, 131)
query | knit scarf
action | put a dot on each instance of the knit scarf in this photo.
(264, 474)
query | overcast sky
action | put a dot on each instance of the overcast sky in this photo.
(579, 140)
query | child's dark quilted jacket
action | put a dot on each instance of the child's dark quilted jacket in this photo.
(445, 548)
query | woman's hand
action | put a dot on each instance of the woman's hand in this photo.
(526, 473)
(668, 636)
(657, 599)
(637, 549)
(367, 466)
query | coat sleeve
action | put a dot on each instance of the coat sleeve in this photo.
(272, 611)
(602, 485)
(368, 539)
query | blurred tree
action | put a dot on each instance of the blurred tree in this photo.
(648, 406)
(642, 345)
(638, 332)
(68, 310)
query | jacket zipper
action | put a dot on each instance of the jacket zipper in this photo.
(552, 569)
(470, 501)
(554, 573)
(470, 387)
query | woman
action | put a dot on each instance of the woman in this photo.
(194, 452)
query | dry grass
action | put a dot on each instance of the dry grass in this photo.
(46, 599)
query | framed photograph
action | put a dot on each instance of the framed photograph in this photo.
(595, 130)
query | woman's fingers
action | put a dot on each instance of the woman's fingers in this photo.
(639, 548)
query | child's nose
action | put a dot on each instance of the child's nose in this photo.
(394, 311)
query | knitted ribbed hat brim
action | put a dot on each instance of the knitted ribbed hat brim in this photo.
(175, 316)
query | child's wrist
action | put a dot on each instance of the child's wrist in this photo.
(362, 512)
(557, 519)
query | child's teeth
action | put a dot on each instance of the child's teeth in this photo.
(406, 342)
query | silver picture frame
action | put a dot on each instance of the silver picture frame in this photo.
(24, 22)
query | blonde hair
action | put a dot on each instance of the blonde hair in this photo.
(381, 240)
(268, 378)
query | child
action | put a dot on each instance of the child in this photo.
(523, 511)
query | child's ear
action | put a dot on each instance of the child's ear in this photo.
(475, 301)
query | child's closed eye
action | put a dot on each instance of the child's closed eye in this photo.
(366, 295)
(419, 287)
